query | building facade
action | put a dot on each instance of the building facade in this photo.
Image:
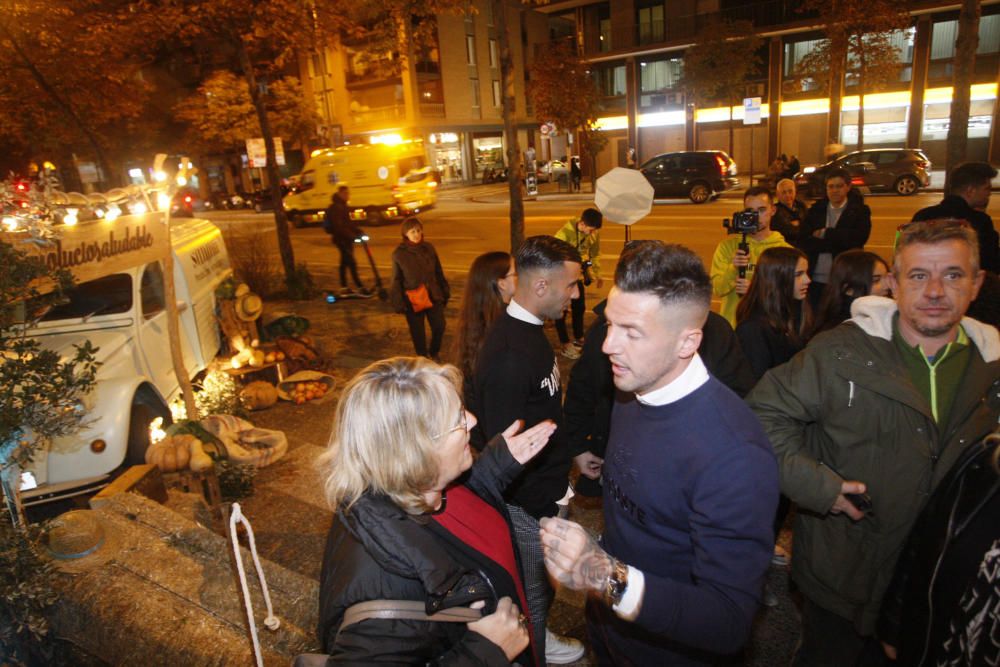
(447, 94)
(636, 49)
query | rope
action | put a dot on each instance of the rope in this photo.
(270, 622)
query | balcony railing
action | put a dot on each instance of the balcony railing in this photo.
(379, 114)
(432, 109)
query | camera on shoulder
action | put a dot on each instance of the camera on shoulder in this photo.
(743, 222)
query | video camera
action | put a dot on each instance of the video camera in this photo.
(744, 222)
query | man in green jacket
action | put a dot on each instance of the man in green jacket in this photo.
(584, 234)
(729, 260)
(867, 420)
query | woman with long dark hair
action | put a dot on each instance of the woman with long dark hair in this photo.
(773, 315)
(488, 290)
(855, 273)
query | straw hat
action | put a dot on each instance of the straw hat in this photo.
(249, 306)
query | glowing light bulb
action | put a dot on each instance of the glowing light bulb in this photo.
(138, 208)
(10, 223)
(70, 218)
(160, 176)
(162, 201)
(113, 212)
(181, 180)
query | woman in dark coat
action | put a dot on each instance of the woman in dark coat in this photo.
(419, 289)
(855, 273)
(418, 521)
(772, 315)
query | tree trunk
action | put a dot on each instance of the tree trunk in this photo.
(174, 325)
(836, 93)
(731, 132)
(961, 99)
(862, 78)
(514, 171)
(274, 178)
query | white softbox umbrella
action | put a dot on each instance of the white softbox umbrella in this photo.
(624, 196)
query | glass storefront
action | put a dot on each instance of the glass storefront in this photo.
(446, 155)
(487, 151)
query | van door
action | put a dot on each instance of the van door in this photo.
(153, 339)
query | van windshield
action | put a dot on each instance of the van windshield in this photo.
(108, 295)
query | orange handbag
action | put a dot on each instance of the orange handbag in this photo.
(419, 298)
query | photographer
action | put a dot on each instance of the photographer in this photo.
(582, 233)
(732, 266)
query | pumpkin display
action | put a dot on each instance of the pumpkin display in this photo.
(178, 452)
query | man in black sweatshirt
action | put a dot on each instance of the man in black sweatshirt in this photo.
(517, 377)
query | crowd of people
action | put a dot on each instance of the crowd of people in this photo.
(853, 388)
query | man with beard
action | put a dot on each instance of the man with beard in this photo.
(865, 423)
(517, 377)
(690, 483)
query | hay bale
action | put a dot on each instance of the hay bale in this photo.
(165, 592)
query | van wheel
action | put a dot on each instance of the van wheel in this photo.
(699, 193)
(144, 411)
(906, 185)
(375, 216)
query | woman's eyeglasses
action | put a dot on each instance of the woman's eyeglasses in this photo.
(463, 424)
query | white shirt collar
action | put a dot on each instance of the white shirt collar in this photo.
(518, 312)
(686, 383)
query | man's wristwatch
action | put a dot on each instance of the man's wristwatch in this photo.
(617, 583)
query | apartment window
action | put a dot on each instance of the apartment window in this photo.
(494, 54)
(651, 24)
(496, 93)
(611, 81)
(604, 25)
(470, 49)
(659, 75)
(946, 32)
(490, 20)
(475, 92)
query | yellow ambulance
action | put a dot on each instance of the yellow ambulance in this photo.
(387, 181)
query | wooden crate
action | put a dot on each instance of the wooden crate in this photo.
(205, 483)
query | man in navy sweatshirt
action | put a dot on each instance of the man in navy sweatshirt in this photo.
(690, 483)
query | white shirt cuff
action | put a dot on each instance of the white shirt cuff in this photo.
(631, 602)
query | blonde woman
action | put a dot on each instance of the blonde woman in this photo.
(418, 520)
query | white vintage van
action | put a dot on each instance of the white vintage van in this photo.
(122, 312)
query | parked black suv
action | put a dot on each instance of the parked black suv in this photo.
(698, 175)
(901, 170)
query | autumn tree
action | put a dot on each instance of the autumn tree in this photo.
(563, 91)
(858, 41)
(220, 115)
(260, 38)
(719, 65)
(57, 101)
(966, 45)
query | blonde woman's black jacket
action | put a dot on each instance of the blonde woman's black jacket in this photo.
(375, 551)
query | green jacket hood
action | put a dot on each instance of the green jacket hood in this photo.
(874, 314)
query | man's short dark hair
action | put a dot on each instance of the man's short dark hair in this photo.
(840, 173)
(544, 252)
(670, 271)
(758, 191)
(592, 218)
(971, 174)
